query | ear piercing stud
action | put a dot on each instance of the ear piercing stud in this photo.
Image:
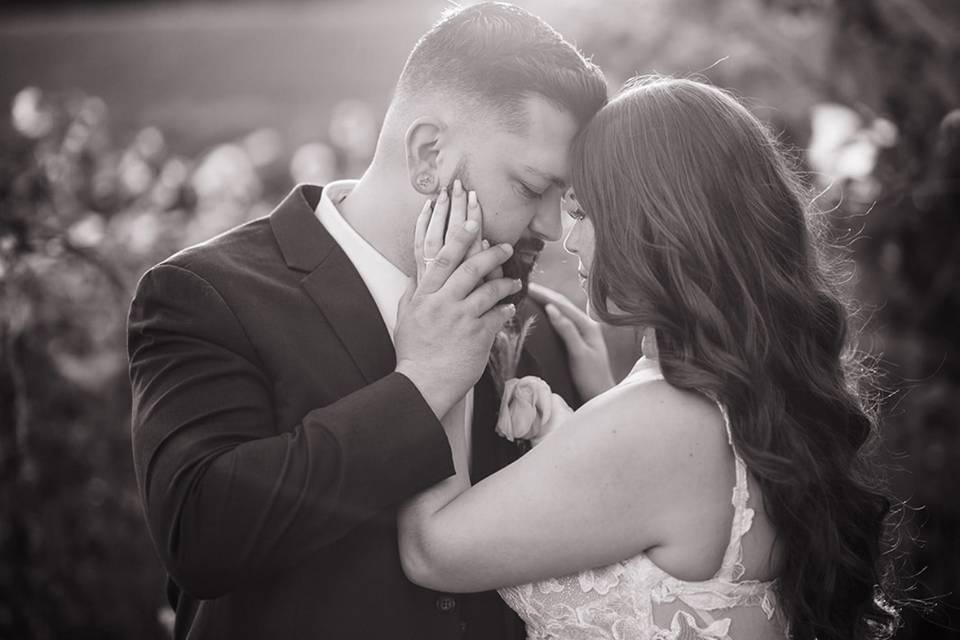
(425, 181)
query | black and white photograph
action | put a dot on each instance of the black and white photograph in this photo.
(459, 320)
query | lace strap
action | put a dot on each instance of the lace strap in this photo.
(646, 370)
(732, 567)
(726, 426)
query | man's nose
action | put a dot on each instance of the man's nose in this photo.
(548, 223)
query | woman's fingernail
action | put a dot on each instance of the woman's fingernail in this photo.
(511, 310)
(470, 225)
(551, 310)
(457, 187)
(517, 284)
(472, 198)
(485, 244)
(443, 196)
(508, 248)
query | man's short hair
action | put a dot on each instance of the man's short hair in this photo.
(498, 54)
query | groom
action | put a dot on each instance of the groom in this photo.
(272, 436)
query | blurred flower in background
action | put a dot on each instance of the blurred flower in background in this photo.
(354, 128)
(314, 162)
(843, 151)
(31, 117)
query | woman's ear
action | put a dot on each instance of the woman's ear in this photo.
(422, 148)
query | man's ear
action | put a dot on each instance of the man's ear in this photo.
(421, 145)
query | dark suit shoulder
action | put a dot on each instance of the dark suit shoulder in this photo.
(243, 265)
(244, 248)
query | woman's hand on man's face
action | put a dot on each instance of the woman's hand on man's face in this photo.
(448, 317)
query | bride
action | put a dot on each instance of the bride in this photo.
(722, 489)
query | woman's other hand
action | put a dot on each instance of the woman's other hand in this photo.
(589, 360)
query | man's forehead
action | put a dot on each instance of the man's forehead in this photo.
(543, 161)
(546, 141)
(540, 151)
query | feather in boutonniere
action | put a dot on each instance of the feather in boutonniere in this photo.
(506, 350)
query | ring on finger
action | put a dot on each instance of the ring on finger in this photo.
(427, 260)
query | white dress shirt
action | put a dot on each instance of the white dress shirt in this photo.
(385, 281)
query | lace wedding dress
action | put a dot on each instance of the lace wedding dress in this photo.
(636, 600)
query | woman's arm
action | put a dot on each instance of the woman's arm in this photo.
(603, 488)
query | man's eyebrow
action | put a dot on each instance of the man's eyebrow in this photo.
(546, 176)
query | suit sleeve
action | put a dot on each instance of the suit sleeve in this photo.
(230, 495)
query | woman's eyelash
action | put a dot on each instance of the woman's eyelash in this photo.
(529, 193)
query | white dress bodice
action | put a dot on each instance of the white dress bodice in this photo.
(636, 600)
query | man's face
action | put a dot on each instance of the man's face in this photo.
(519, 179)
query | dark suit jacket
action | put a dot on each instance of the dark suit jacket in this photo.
(272, 441)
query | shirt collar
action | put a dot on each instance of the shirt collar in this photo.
(384, 280)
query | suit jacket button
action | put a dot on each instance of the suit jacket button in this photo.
(446, 604)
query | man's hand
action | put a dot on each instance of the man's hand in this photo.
(448, 317)
(589, 361)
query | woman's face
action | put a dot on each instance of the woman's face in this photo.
(579, 239)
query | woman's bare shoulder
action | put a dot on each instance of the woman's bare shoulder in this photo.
(657, 410)
(672, 435)
(674, 459)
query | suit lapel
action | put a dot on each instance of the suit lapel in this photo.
(332, 282)
(336, 287)
(490, 452)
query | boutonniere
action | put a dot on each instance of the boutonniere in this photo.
(506, 351)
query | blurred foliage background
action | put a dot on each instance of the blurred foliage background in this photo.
(135, 129)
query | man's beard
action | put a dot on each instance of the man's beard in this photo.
(520, 265)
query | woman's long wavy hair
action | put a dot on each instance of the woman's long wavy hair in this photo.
(702, 233)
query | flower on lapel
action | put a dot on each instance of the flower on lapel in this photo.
(529, 410)
(506, 351)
